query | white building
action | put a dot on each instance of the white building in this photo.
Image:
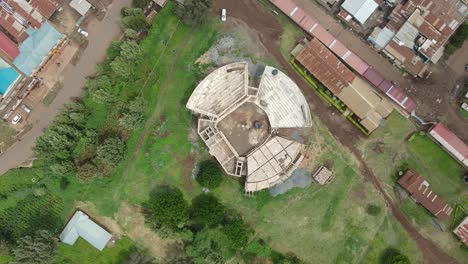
(80, 225)
(361, 10)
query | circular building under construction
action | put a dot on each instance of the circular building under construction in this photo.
(240, 123)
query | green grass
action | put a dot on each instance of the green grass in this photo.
(83, 252)
(6, 135)
(388, 148)
(438, 167)
(50, 96)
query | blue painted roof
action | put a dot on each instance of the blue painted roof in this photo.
(35, 48)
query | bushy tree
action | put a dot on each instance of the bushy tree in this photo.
(111, 152)
(194, 12)
(393, 256)
(140, 3)
(206, 210)
(37, 249)
(134, 19)
(134, 115)
(209, 174)
(237, 231)
(124, 64)
(167, 207)
(130, 34)
(204, 249)
(100, 89)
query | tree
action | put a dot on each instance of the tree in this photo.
(237, 231)
(37, 249)
(137, 256)
(393, 256)
(194, 12)
(130, 34)
(100, 89)
(134, 116)
(111, 152)
(204, 249)
(135, 21)
(140, 3)
(167, 208)
(124, 64)
(209, 175)
(206, 210)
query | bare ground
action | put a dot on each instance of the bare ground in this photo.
(269, 32)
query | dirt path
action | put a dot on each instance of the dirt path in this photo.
(269, 32)
(101, 33)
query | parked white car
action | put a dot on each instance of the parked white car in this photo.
(16, 119)
(223, 14)
(82, 32)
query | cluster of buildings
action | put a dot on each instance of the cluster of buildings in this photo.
(369, 91)
(411, 33)
(26, 41)
(417, 32)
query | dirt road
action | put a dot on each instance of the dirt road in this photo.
(269, 31)
(101, 33)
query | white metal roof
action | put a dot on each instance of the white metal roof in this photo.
(361, 10)
(81, 226)
(81, 6)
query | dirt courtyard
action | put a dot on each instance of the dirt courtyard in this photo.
(246, 128)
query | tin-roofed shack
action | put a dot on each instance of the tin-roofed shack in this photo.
(420, 192)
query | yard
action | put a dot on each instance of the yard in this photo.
(394, 146)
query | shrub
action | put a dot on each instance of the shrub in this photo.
(237, 231)
(209, 175)
(111, 152)
(373, 209)
(38, 249)
(194, 12)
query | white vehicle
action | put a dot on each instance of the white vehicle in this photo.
(465, 106)
(82, 32)
(223, 14)
(16, 119)
(26, 108)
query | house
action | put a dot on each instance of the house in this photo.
(8, 48)
(360, 10)
(451, 143)
(80, 225)
(417, 32)
(419, 190)
(462, 231)
(81, 6)
(358, 95)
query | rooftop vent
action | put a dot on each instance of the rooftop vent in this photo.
(274, 72)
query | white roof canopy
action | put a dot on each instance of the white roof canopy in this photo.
(361, 10)
(81, 226)
(81, 6)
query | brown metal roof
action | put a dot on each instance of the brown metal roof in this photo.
(419, 189)
(325, 66)
(46, 7)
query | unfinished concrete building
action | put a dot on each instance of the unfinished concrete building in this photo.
(239, 121)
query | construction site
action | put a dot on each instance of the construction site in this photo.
(241, 121)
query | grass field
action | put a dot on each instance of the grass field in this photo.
(83, 252)
(393, 145)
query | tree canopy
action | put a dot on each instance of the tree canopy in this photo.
(210, 174)
(168, 208)
(194, 12)
(206, 210)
